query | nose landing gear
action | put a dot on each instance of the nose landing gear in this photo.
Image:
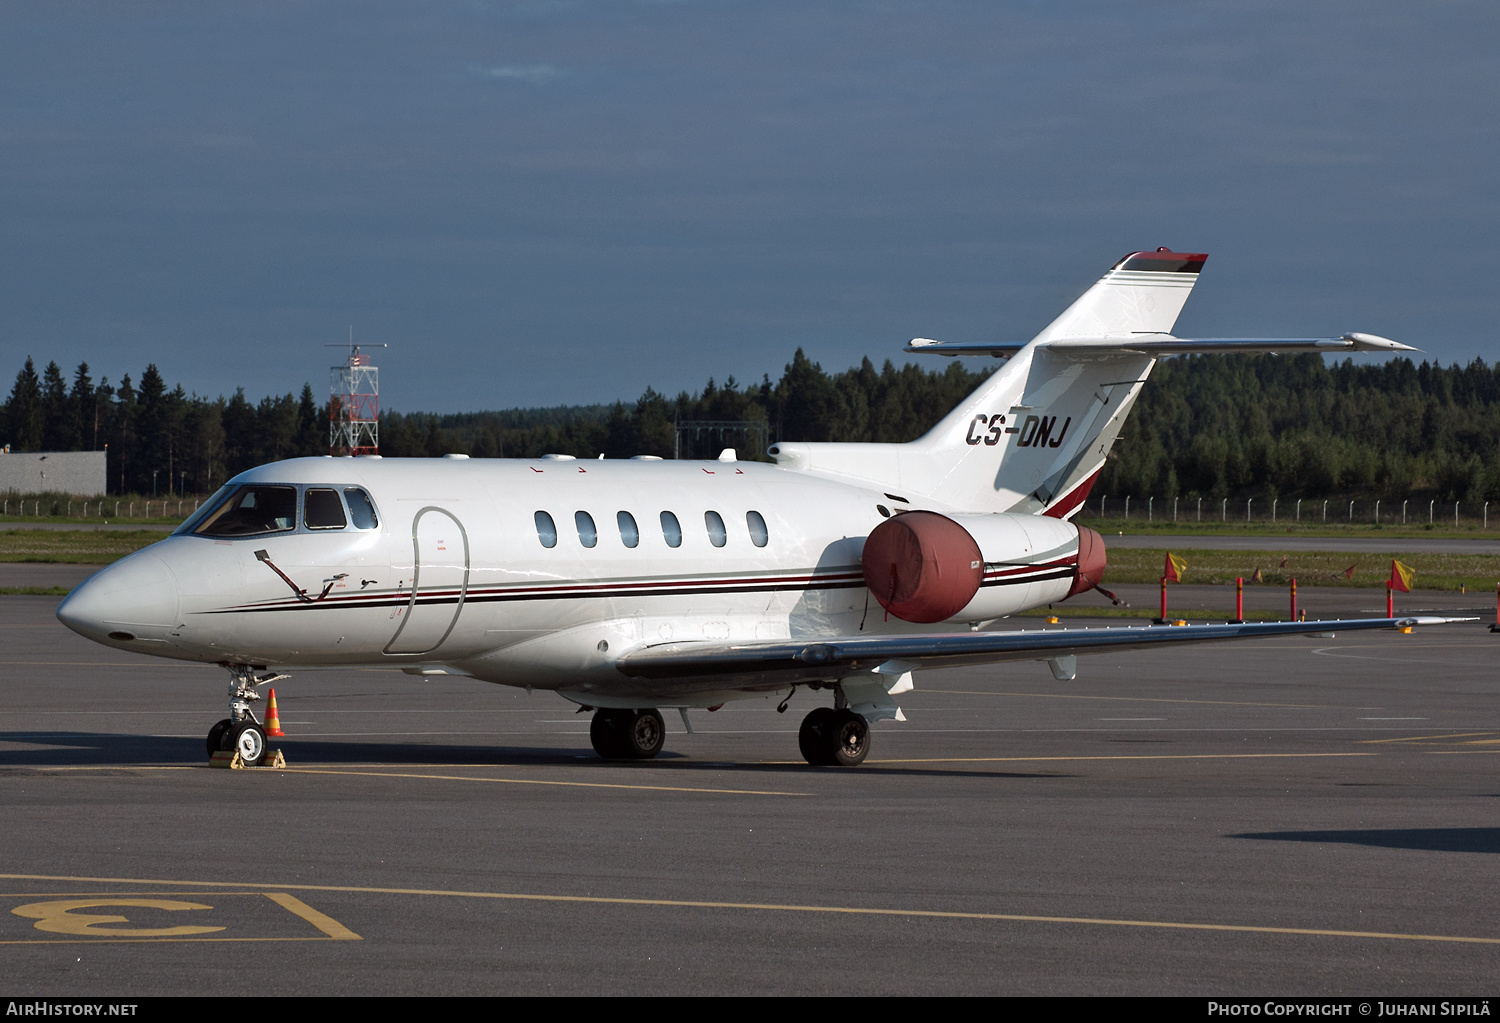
(627, 734)
(834, 738)
(241, 731)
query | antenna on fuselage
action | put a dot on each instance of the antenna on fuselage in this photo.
(354, 402)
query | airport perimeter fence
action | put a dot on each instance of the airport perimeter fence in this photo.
(130, 507)
(1288, 511)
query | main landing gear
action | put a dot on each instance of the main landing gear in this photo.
(834, 738)
(241, 731)
(627, 734)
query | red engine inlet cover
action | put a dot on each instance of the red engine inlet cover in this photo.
(1090, 571)
(922, 566)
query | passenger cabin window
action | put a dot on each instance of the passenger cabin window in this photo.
(361, 508)
(671, 529)
(252, 511)
(588, 535)
(717, 534)
(629, 534)
(322, 509)
(757, 523)
(546, 529)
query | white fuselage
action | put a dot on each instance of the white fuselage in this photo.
(456, 578)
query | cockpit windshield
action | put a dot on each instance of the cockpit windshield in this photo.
(252, 510)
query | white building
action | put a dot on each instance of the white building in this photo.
(59, 472)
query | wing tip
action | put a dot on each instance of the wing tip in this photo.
(1376, 343)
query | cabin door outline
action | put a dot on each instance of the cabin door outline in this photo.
(431, 616)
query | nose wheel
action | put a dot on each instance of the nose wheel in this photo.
(834, 738)
(240, 731)
(249, 741)
(627, 734)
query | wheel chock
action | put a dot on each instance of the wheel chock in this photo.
(231, 759)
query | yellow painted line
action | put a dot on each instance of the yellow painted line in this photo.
(1137, 699)
(537, 781)
(48, 769)
(322, 921)
(775, 907)
(1424, 738)
(257, 893)
(331, 928)
(433, 777)
(1159, 756)
(137, 941)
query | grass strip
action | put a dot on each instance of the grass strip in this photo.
(1192, 614)
(1474, 573)
(72, 547)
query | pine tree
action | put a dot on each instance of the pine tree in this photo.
(24, 410)
(59, 426)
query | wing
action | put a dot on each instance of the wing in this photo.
(785, 662)
(1161, 345)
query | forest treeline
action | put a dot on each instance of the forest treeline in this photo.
(194, 443)
(1268, 426)
(1262, 426)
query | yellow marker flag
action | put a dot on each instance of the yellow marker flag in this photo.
(1401, 576)
(1175, 566)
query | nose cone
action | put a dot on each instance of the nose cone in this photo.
(133, 599)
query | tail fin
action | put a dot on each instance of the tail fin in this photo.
(1033, 437)
(1142, 293)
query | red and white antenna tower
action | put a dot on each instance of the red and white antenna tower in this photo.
(354, 403)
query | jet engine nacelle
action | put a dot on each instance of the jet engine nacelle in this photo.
(925, 567)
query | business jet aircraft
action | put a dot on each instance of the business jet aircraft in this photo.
(633, 586)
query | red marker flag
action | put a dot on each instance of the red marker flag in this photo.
(1175, 566)
(1349, 572)
(1401, 576)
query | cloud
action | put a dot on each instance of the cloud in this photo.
(534, 74)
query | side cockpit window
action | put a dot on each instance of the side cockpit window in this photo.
(322, 509)
(253, 510)
(361, 508)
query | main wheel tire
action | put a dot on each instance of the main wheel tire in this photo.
(850, 739)
(644, 734)
(250, 743)
(814, 738)
(627, 734)
(217, 736)
(605, 734)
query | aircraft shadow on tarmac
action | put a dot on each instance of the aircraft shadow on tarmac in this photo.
(99, 749)
(1476, 840)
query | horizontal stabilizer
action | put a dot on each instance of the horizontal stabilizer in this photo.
(1162, 345)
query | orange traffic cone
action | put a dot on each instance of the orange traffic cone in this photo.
(273, 720)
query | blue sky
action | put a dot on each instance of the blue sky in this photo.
(541, 203)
